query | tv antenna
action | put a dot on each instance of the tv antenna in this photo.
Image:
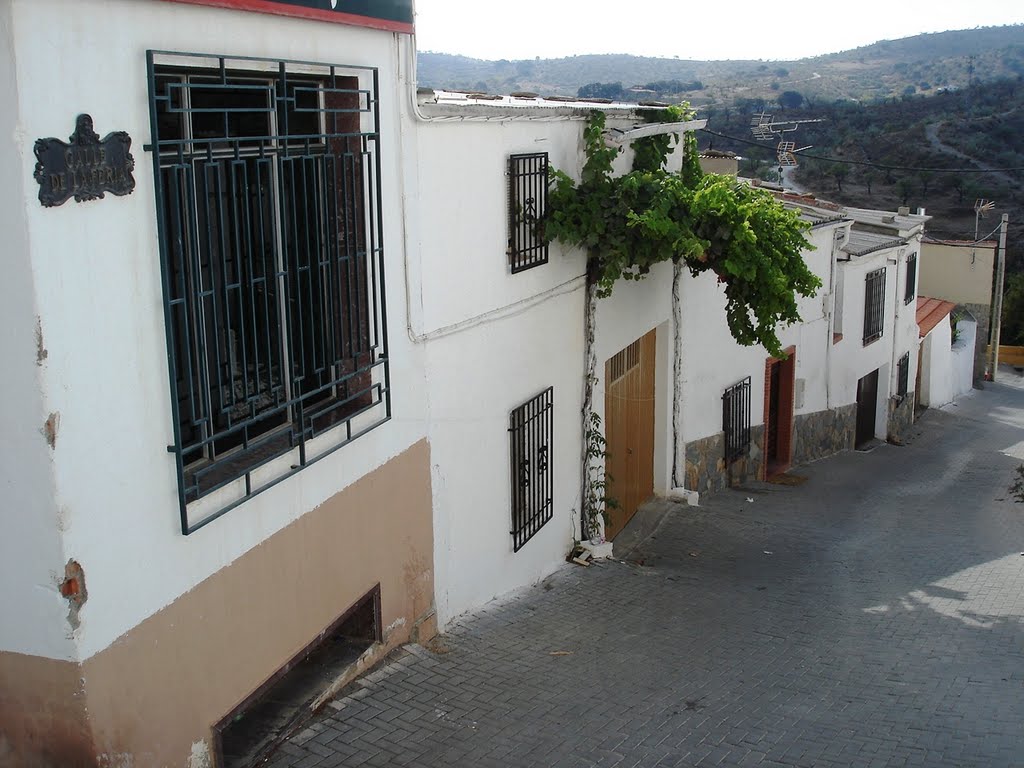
(765, 128)
(981, 207)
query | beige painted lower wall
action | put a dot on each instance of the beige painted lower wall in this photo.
(160, 688)
(42, 714)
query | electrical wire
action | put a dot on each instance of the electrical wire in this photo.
(880, 166)
(979, 241)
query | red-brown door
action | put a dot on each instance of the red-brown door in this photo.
(779, 387)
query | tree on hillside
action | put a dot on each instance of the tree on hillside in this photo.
(601, 91)
(905, 188)
(925, 178)
(790, 100)
(839, 172)
(868, 177)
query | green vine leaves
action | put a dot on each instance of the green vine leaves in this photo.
(631, 222)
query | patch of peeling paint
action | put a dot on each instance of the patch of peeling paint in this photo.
(49, 430)
(72, 589)
(41, 351)
(199, 757)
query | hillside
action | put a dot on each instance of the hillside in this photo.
(923, 64)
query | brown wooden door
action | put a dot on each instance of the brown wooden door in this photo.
(629, 430)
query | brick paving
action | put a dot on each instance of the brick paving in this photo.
(872, 616)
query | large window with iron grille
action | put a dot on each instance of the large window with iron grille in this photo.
(903, 376)
(527, 203)
(531, 431)
(268, 206)
(910, 289)
(874, 305)
(736, 420)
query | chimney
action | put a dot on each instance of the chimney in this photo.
(903, 211)
(920, 211)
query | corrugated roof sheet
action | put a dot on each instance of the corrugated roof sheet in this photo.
(930, 313)
(862, 243)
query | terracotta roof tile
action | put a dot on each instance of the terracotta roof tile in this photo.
(930, 313)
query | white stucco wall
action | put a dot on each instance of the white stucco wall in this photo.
(493, 340)
(963, 357)
(713, 361)
(97, 290)
(850, 358)
(31, 556)
(937, 364)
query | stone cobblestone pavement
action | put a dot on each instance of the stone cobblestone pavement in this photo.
(872, 616)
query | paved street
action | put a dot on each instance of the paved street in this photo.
(871, 616)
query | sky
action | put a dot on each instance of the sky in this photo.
(742, 29)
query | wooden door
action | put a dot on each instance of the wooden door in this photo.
(629, 430)
(867, 403)
(779, 390)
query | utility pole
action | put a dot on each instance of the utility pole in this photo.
(997, 300)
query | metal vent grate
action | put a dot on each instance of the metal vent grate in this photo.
(623, 362)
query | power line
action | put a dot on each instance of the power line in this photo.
(880, 166)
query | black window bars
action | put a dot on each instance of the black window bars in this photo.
(736, 420)
(531, 431)
(874, 305)
(268, 209)
(903, 376)
(527, 204)
(910, 291)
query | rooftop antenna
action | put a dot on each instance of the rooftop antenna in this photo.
(765, 128)
(981, 207)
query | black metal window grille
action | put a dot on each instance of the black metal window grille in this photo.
(874, 304)
(531, 430)
(910, 291)
(736, 420)
(527, 203)
(903, 375)
(268, 209)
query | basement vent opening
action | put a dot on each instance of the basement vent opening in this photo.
(250, 733)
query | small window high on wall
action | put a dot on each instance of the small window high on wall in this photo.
(910, 291)
(527, 204)
(874, 305)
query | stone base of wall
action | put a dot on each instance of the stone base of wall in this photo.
(815, 436)
(823, 433)
(901, 417)
(706, 470)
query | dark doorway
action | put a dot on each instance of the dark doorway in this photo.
(251, 732)
(867, 404)
(779, 381)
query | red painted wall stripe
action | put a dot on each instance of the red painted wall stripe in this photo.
(279, 9)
